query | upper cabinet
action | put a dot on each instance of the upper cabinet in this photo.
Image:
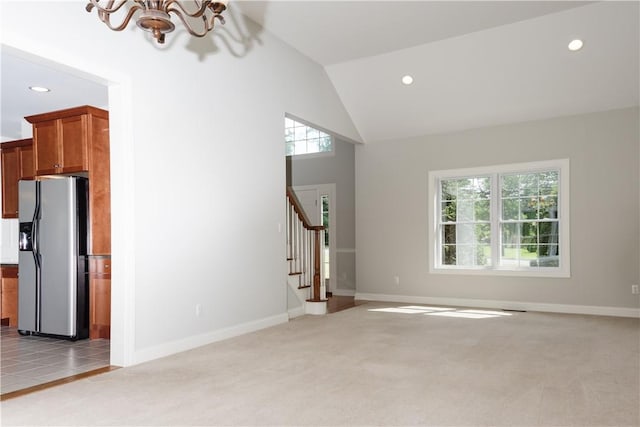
(77, 140)
(63, 140)
(17, 164)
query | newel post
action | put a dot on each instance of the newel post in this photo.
(316, 265)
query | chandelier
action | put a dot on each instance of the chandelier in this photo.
(198, 16)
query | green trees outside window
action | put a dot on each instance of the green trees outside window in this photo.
(505, 220)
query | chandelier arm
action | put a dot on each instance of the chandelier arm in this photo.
(177, 7)
(108, 9)
(106, 18)
(212, 21)
(187, 25)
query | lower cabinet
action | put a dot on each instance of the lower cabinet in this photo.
(9, 295)
(99, 297)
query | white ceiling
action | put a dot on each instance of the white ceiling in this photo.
(331, 32)
(475, 63)
(17, 101)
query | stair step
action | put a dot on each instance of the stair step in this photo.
(290, 259)
(295, 273)
(304, 286)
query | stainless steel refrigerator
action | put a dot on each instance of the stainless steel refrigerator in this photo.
(53, 285)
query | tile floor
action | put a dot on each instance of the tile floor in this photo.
(30, 361)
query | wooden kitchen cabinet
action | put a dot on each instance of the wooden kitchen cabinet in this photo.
(77, 140)
(99, 297)
(17, 164)
(63, 139)
(9, 295)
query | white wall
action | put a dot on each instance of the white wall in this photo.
(391, 213)
(198, 168)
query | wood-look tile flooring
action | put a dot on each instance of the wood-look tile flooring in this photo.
(337, 303)
(28, 361)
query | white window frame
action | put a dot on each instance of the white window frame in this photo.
(435, 246)
(313, 154)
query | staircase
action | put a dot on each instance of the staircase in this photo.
(306, 294)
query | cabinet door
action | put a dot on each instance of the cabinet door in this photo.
(99, 297)
(99, 187)
(73, 140)
(10, 176)
(45, 145)
(10, 295)
(27, 170)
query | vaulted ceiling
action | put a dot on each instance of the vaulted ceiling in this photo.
(474, 63)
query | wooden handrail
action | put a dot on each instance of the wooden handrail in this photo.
(297, 206)
(315, 229)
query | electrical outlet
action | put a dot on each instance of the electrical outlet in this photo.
(634, 289)
(198, 310)
(396, 280)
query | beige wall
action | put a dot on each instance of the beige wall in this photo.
(391, 212)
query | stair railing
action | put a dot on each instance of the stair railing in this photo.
(303, 246)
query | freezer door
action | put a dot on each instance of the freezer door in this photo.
(26, 200)
(57, 243)
(27, 303)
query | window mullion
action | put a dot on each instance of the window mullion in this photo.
(496, 203)
(439, 240)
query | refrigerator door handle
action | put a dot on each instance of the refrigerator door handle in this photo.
(36, 253)
(34, 221)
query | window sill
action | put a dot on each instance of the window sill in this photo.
(540, 272)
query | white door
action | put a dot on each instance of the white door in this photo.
(310, 201)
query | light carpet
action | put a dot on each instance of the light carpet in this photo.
(409, 367)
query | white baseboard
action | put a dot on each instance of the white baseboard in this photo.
(189, 343)
(296, 312)
(344, 292)
(509, 305)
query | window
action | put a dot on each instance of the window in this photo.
(302, 139)
(509, 219)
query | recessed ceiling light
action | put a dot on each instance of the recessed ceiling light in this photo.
(39, 89)
(575, 45)
(407, 80)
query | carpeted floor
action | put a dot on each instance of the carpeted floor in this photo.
(374, 364)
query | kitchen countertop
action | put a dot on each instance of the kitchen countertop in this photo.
(8, 264)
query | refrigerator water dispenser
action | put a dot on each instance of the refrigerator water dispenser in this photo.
(24, 236)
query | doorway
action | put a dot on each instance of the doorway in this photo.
(120, 346)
